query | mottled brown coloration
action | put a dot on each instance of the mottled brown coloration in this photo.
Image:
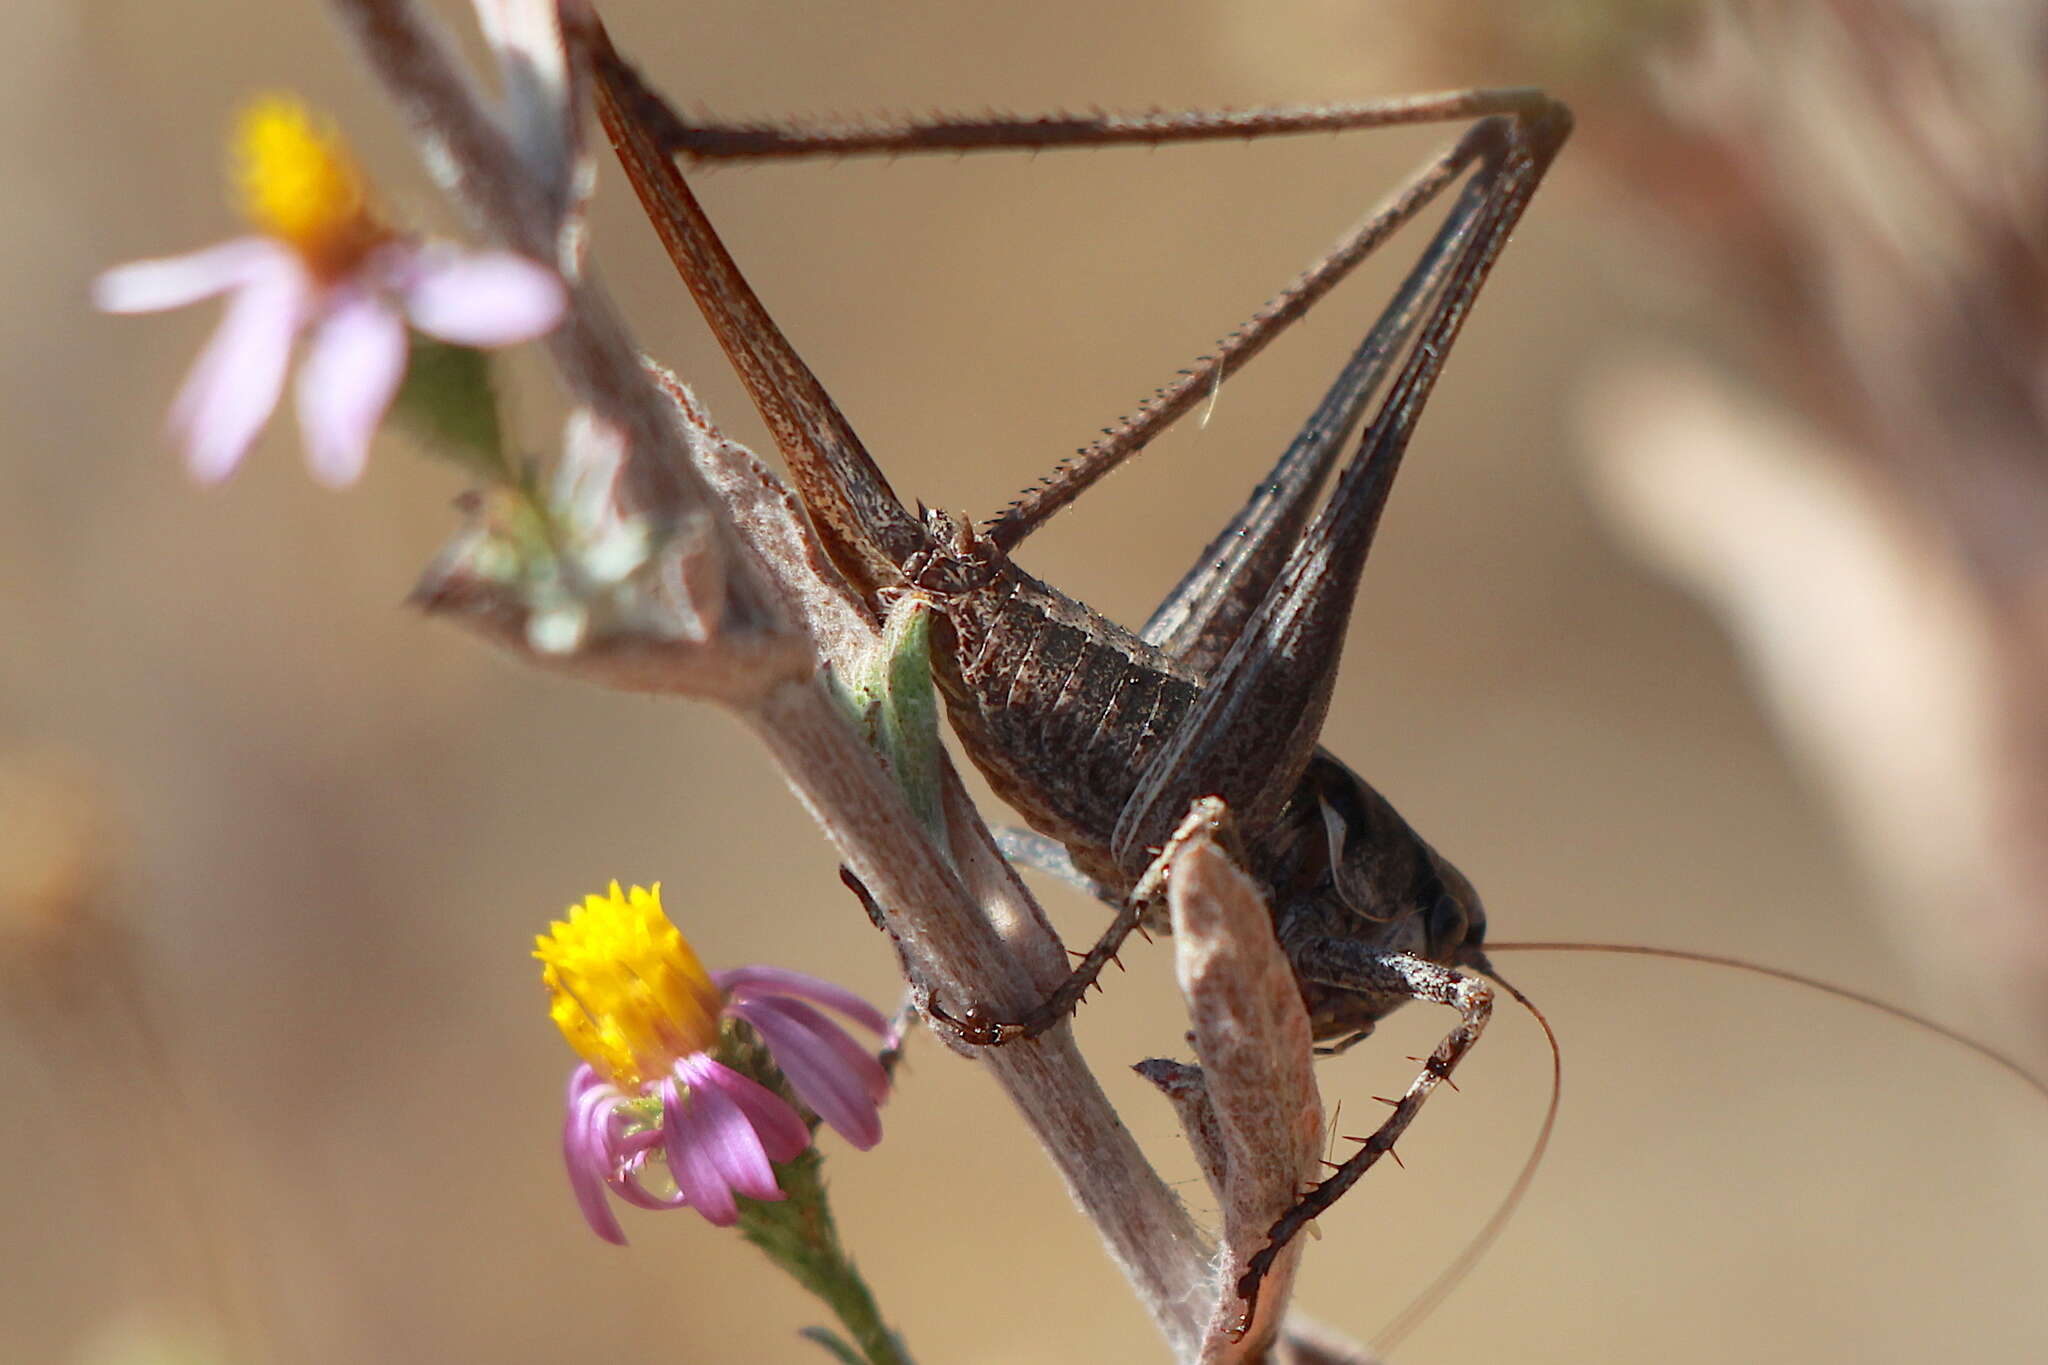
(1101, 737)
(1060, 707)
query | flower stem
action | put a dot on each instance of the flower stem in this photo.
(798, 1234)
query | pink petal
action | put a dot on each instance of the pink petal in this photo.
(696, 1175)
(825, 1066)
(727, 1133)
(583, 1080)
(855, 1060)
(351, 372)
(235, 383)
(802, 985)
(174, 281)
(782, 1131)
(634, 1144)
(584, 1153)
(631, 1154)
(629, 1188)
(482, 298)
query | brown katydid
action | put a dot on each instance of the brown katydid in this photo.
(1102, 737)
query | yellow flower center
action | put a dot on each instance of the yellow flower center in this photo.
(299, 184)
(625, 988)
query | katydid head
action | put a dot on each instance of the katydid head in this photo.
(1373, 865)
(1344, 865)
(1455, 923)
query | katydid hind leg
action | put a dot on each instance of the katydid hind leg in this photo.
(711, 139)
(1206, 611)
(863, 521)
(864, 526)
(701, 140)
(1126, 436)
(1450, 272)
(1255, 727)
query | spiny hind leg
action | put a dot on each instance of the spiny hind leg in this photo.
(1537, 117)
(1253, 731)
(1201, 618)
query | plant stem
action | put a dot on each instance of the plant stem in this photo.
(798, 1234)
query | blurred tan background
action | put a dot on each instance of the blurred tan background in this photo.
(298, 1073)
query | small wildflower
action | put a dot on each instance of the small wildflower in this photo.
(322, 263)
(631, 997)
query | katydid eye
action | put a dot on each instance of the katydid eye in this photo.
(1447, 920)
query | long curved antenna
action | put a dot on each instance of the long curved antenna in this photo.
(1963, 1040)
(1423, 1304)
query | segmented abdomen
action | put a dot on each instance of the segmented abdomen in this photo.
(1060, 707)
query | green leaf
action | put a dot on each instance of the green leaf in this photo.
(910, 711)
(840, 1349)
(450, 403)
(890, 696)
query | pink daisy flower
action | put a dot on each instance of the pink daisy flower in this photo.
(653, 1115)
(324, 267)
